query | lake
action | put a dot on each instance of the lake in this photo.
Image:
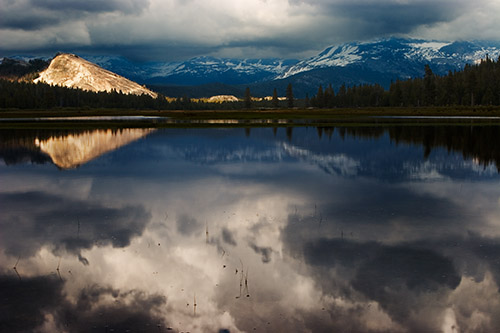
(366, 228)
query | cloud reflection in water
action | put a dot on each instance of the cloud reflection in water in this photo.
(167, 226)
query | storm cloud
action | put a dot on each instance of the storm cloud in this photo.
(401, 277)
(65, 224)
(33, 15)
(26, 303)
(129, 310)
(165, 30)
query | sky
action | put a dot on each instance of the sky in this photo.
(172, 30)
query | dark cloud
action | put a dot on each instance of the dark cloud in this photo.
(109, 309)
(24, 303)
(382, 203)
(188, 225)
(333, 252)
(93, 6)
(30, 21)
(265, 252)
(395, 17)
(228, 237)
(31, 220)
(33, 15)
(397, 277)
(404, 268)
(473, 254)
(370, 210)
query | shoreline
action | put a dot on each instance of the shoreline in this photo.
(120, 118)
(261, 112)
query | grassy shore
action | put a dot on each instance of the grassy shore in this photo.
(260, 113)
(250, 117)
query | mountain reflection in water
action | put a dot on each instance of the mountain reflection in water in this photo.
(71, 150)
(215, 230)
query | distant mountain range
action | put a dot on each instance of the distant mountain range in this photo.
(197, 71)
(380, 61)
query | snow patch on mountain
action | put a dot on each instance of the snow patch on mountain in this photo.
(209, 65)
(426, 50)
(334, 56)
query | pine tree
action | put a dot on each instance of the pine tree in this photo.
(248, 98)
(429, 86)
(341, 96)
(320, 98)
(289, 95)
(329, 97)
(275, 99)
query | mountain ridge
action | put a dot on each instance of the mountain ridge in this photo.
(380, 61)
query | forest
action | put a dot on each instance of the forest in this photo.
(477, 84)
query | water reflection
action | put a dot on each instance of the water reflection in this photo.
(66, 149)
(345, 229)
(69, 151)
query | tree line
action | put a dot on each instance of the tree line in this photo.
(476, 84)
(27, 95)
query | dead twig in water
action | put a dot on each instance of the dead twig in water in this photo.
(223, 253)
(194, 305)
(57, 269)
(206, 231)
(15, 268)
(246, 284)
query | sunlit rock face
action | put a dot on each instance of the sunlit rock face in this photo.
(72, 150)
(222, 98)
(69, 70)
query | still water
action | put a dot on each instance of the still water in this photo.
(303, 229)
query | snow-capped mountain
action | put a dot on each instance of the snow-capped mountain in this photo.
(199, 70)
(404, 58)
(69, 70)
(230, 71)
(379, 61)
